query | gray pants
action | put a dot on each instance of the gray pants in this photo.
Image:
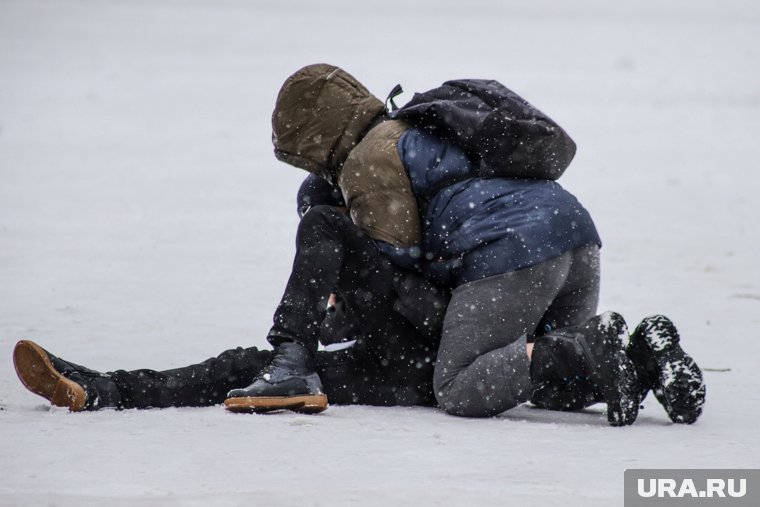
(482, 367)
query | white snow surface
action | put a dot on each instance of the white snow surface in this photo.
(144, 222)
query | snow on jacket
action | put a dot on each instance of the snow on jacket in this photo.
(415, 193)
(478, 227)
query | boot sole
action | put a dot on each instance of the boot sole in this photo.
(306, 404)
(37, 373)
(680, 388)
(623, 407)
(618, 383)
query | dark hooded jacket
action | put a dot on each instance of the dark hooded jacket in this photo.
(415, 194)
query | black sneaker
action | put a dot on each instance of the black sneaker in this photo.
(288, 382)
(62, 383)
(594, 351)
(666, 369)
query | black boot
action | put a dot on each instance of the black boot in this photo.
(666, 369)
(288, 382)
(62, 383)
(593, 352)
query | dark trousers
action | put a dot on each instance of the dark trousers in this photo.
(483, 368)
(350, 376)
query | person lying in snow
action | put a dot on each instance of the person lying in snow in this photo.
(381, 358)
(521, 320)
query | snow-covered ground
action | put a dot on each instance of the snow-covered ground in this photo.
(144, 222)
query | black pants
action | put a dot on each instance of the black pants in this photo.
(350, 376)
(391, 363)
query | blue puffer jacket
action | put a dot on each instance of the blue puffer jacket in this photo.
(479, 227)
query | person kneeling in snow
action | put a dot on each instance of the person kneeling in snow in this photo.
(521, 257)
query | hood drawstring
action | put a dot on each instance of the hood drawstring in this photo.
(395, 92)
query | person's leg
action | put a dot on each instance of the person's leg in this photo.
(332, 255)
(483, 368)
(355, 376)
(575, 304)
(578, 298)
(80, 388)
(580, 359)
(349, 377)
(197, 385)
(654, 349)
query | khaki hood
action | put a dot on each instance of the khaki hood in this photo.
(321, 113)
